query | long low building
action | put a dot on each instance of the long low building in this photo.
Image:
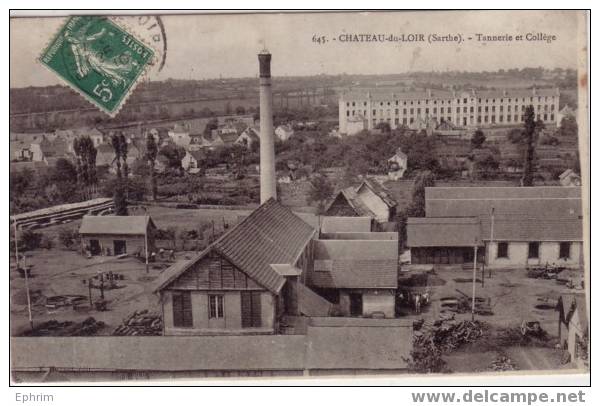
(330, 346)
(513, 226)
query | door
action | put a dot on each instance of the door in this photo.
(120, 247)
(251, 309)
(356, 305)
(94, 247)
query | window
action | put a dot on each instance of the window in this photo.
(502, 250)
(534, 250)
(565, 250)
(251, 309)
(182, 309)
(215, 306)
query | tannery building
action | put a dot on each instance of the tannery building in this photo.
(513, 226)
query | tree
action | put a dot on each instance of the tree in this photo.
(212, 124)
(568, 127)
(417, 206)
(384, 127)
(321, 191)
(116, 144)
(531, 129)
(478, 139)
(123, 142)
(151, 154)
(65, 171)
(174, 154)
(119, 199)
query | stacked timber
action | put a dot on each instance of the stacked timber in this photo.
(140, 323)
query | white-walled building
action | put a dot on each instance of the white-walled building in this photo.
(461, 108)
(514, 227)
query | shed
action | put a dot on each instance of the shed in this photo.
(116, 235)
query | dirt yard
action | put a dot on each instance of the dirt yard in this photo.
(513, 298)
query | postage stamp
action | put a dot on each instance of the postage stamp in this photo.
(99, 59)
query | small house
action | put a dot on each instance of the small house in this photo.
(248, 137)
(378, 199)
(117, 235)
(284, 132)
(192, 161)
(569, 178)
(397, 165)
(348, 204)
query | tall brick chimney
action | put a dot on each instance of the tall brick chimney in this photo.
(267, 147)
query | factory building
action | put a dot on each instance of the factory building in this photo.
(468, 109)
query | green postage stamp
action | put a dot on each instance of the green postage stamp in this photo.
(98, 59)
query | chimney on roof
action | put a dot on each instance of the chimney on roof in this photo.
(267, 146)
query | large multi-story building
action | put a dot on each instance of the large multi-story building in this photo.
(422, 109)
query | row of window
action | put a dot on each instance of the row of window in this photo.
(457, 101)
(534, 250)
(183, 314)
(434, 110)
(467, 120)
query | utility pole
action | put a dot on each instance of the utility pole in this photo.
(491, 240)
(474, 279)
(25, 272)
(146, 247)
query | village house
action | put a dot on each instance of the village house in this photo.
(569, 178)
(180, 136)
(573, 327)
(566, 111)
(516, 227)
(369, 199)
(378, 199)
(397, 165)
(20, 151)
(192, 161)
(117, 235)
(249, 137)
(284, 132)
(243, 282)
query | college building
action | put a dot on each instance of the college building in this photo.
(364, 110)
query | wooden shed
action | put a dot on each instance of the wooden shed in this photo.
(117, 235)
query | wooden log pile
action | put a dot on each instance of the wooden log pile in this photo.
(140, 323)
(447, 334)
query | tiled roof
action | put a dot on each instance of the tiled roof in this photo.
(119, 225)
(355, 264)
(354, 201)
(271, 234)
(546, 201)
(379, 190)
(401, 94)
(443, 231)
(537, 228)
(380, 346)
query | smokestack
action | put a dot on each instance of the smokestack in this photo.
(267, 146)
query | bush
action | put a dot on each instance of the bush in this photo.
(47, 242)
(29, 240)
(68, 237)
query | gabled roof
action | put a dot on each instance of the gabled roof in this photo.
(271, 234)
(118, 225)
(379, 190)
(354, 201)
(355, 264)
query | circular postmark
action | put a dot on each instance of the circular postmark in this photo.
(150, 29)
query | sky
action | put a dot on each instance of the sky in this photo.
(212, 46)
